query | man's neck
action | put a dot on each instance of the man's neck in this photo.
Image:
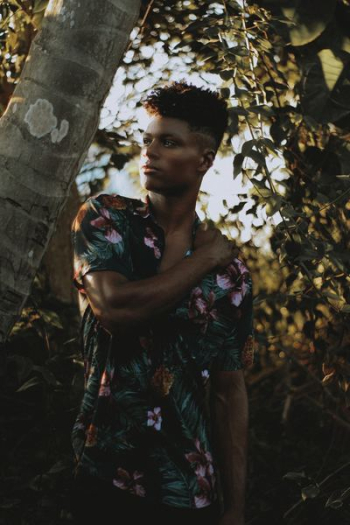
(174, 214)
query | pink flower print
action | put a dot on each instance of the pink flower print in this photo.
(241, 266)
(227, 278)
(106, 223)
(232, 273)
(203, 498)
(154, 418)
(204, 472)
(237, 296)
(125, 481)
(203, 458)
(80, 423)
(114, 201)
(234, 277)
(91, 436)
(198, 302)
(200, 309)
(205, 375)
(105, 385)
(150, 240)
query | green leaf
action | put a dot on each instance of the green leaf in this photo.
(308, 254)
(346, 309)
(238, 111)
(29, 384)
(273, 205)
(332, 67)
(335, 501)
(247, 146)
(119, 160)
(257, 157)
(311, 491)
(51, 318)
(295, 476)
(271, 146)
(345, 494)
(226, 74)
(262, 109)
(237, 164)
(233, 123)
(225, 92)
(24, 366)
(318, 101)
(306, 22)
(238, 207)
(277, 132)
(289, 211)
(47, 375)
(240, 51)
(40, 5)
(264, 192)
(59, 466)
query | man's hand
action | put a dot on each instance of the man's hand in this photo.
(230, 517)
(215, 244)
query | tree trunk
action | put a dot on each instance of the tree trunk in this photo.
(47, 129)
(57, 263)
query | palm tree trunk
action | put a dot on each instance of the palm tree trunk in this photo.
(57, 263)
(47, 129)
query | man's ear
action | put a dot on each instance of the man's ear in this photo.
(207, 160)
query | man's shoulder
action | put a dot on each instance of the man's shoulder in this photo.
(116, 201)
(108, 206)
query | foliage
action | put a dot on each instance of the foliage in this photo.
(285, 69)
(39, 393)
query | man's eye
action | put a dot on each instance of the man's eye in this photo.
(169, 142)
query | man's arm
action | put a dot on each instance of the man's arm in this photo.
(229, 406)
(120, 304)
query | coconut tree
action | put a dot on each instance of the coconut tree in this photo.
(47, 129)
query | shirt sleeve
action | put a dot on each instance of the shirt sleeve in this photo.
(237, 351)
(99, 235)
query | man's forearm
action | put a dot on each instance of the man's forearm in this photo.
(139, 301)
(230, 434)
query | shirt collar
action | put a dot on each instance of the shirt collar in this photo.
(144, 210)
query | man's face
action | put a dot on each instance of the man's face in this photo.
(172, 159)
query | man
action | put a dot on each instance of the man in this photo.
(169, 313)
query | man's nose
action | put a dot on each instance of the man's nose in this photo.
(150, 150)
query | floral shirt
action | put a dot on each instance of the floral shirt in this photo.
(144, 421)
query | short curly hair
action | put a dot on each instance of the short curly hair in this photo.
(204, 110)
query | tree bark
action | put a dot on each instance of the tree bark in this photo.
(57, 263)
(47, 129)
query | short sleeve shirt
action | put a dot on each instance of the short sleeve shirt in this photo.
(144, 422)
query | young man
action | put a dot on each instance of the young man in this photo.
(169, 313)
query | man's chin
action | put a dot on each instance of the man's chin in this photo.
(151, 185)
(156, 186)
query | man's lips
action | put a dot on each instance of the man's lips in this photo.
(148, 169)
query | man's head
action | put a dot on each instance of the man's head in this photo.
(183, 136)
(203, 110)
